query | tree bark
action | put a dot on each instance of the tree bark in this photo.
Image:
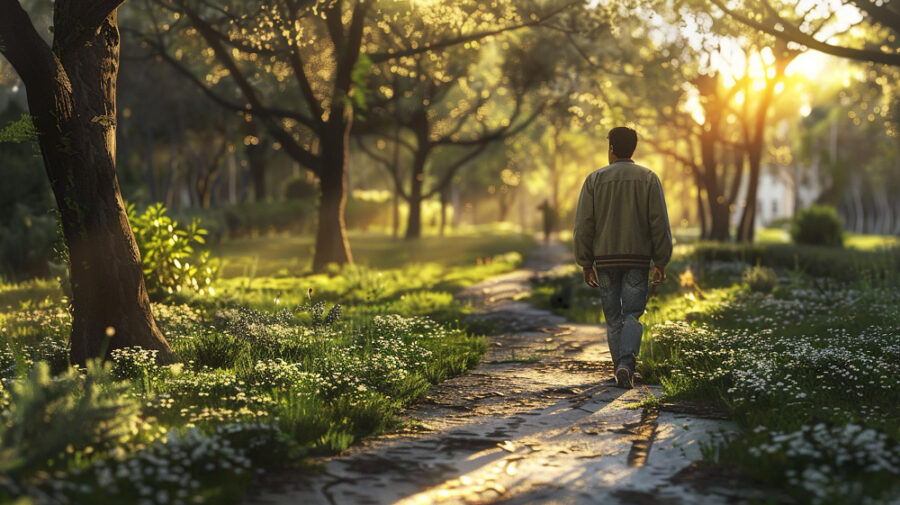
(331, 236)
(417, 179)
(256, 159)
(718, 208)
(72, 97)
(421, 128)
(747, 226)
(701, 213)
(444, 198)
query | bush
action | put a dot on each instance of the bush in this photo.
(214, 350)
(298, 188)
(26, 243)
(879, 267)
(295, 216)
(169, 259)
(818, 225)
(50, 419)
(760, 279)
(363, 214)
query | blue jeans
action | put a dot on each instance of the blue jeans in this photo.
(623, 294)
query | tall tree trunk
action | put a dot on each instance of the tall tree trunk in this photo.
(395, 204)
(256, 159)
(421, 127)
(72, 97)
(417, 179)
(395, 215)
(718, 206)
(331, 236)
(747, 225)
(701, 208)
(444, 198)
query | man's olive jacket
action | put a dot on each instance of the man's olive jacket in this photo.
(621, 220)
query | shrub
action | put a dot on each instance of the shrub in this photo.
(50, 419)
(26, 243)
(818, 225)
(298, 188)
(214, 350)
(168, 253)
(760, 279)
(183, 467)
(878, 267)
(131, 363)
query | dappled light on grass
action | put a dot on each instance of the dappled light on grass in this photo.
(283, 256)
(806, 364)
(272, 370)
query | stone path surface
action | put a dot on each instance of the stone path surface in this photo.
(535, 423)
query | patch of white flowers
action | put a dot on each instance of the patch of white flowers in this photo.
(826, 452)
(760, 352)
(171, 471)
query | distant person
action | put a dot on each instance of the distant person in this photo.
(621, 225)
(549, 215)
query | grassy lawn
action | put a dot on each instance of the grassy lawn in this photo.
(291, 255)
(859, 241)
(273, 368)
(808, 366)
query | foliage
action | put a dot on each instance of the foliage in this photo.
(48, 419)
(19, 131)
(299, 188)
(169, 258)
(212, 349)
(811, 378)
(26, 243)
(807, 366)
(260, 385)
(818, 225)
(877, 266)
(760, 279)
(251, 219)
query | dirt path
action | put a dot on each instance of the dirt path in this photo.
(534, 423)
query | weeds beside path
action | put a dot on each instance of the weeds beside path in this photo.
(534, 423)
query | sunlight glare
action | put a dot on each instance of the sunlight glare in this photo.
(808, 64)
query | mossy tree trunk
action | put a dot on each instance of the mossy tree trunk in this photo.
(71, 89)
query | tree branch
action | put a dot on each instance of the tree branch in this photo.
(791, 33)
(212, 95)
(452, 169)
(462, 39)
(23, 47)
(287, 140)
(391, 167)
(76, 21)
(881, 14)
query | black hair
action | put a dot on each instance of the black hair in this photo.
(623, 141)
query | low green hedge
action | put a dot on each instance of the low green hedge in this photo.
(248, 219)
(817, 261)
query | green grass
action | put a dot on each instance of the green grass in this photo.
(292, 255)
(862, 242)
(809, 371)
(870, 242)
(28, 294)
(272, 370)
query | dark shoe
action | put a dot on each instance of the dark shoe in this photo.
(624, 378)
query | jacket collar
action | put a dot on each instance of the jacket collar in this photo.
(624, 160)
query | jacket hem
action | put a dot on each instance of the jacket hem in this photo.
(622, 261)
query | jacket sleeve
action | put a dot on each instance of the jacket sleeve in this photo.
(660, 232)
(585, 226)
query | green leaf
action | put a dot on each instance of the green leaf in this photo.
(19, 131)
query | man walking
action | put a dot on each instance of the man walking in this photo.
(621, 225)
